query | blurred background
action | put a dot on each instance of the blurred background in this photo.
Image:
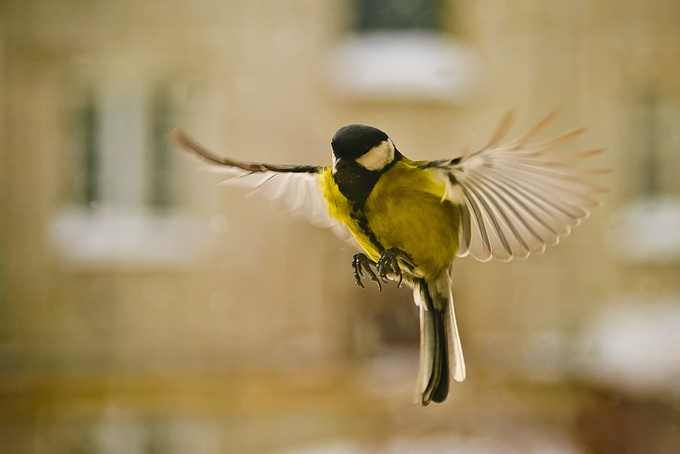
(143, 309)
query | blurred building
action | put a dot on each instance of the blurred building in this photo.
(144, 309)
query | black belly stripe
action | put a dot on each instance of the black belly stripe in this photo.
(362, 222)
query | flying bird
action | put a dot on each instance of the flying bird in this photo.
(411, 219)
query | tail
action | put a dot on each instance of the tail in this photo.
(441, 353)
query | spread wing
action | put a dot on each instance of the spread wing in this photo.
(293, 188)
(518, 197)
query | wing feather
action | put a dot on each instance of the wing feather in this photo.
(533, 132)
(292, 188)
(465, 231)
(502, 130)
(522, 218)
(519, 197)
(504, 211)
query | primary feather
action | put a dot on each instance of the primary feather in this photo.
(519, 197)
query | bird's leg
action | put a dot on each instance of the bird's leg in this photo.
(361, 263)
(390, 263)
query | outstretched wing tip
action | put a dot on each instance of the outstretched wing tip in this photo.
(502, 130)
(175, 135)
(520, 199)
(289, 187)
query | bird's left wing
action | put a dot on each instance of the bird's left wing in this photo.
(293, 188)
(516, 198)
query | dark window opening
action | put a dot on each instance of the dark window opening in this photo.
(86, 178)
(161, 178)
(374, 15)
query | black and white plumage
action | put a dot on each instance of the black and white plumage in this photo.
(507, 200)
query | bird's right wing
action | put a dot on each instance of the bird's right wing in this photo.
(518, 197)
(293, 188)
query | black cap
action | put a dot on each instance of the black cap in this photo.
(353, 141)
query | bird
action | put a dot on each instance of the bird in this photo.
(411, 219)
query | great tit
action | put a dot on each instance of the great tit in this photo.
(413, 218)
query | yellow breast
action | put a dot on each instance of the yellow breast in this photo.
(404, 210)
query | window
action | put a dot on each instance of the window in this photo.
(123, 158)
(124, 211)
(399, 51)
(647, 226)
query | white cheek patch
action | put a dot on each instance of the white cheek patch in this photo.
(378, 157)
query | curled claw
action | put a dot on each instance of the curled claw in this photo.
(390, 263)
(361, 263)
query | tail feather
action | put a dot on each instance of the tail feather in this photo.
(427, 343)
(455, 347)
(441, 354)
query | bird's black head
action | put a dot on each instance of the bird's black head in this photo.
(361, 155)
(354, 141)
(363, 146)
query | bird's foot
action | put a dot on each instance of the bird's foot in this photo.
(390, 264)
(360, 264)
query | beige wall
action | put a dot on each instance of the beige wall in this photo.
(270, 291)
